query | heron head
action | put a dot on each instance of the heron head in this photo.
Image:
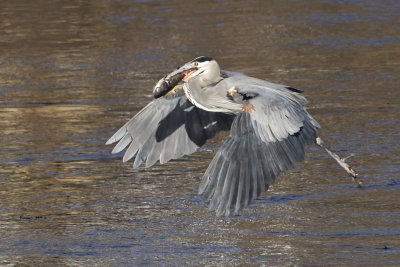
(205, 69)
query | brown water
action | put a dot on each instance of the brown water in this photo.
(72, 72)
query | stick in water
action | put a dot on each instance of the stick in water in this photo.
(341, 162)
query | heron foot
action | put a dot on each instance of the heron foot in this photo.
(341, 161)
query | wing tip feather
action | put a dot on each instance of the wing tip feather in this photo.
(110, 141)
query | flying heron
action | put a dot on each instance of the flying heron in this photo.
(270, 129)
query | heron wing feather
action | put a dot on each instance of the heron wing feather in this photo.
(165, 129)
(264, 142)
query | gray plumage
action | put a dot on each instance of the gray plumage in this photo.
(167, 129)
(269, 130)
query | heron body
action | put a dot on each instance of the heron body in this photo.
(270, 130)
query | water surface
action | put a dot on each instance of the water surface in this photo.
(72, 72)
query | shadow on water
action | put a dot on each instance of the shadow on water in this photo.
(72, 72)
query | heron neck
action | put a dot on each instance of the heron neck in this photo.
(209, 77)
(193, 91)
(210, 98)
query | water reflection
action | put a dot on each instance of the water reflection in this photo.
(74, 71)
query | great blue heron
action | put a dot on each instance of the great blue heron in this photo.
(270, 130)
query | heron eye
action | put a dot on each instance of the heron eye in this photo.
(196, 64)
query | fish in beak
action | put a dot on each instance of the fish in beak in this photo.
(172, 81)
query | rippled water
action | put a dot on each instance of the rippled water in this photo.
(72, 72)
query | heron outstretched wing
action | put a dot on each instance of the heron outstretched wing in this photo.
(167, 128)
(268, 137)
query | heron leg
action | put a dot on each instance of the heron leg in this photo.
(341, 161)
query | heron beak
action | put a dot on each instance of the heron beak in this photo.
(188, 74)
(173, 89)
